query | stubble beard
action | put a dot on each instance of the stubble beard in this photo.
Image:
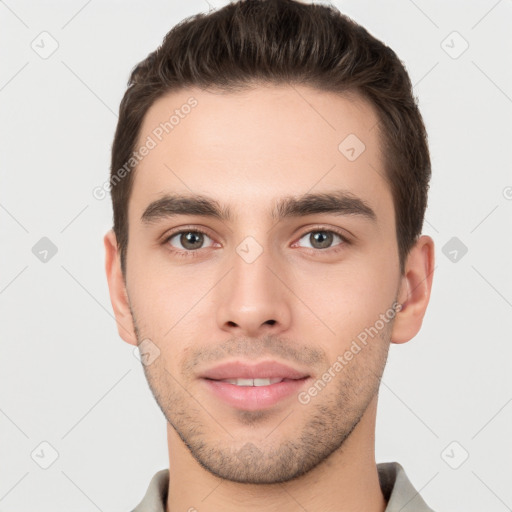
(253, 458)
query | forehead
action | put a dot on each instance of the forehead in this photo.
(248, 148)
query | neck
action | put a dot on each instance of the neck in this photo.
(347, 481)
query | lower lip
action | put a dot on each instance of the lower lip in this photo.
(254, 398)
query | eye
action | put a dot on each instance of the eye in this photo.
(322, 239)
(188, 240)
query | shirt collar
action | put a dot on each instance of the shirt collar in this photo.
(395, 485)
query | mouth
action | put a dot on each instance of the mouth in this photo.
(254, 387)
(254, 382)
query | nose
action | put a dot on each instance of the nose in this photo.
(253, 300)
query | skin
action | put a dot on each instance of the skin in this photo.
(296, 303)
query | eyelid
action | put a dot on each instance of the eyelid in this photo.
(342, 232)
(185, 229)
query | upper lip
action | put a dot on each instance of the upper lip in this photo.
(261, 370)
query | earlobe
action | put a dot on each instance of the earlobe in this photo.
(415, 288)
(117, 290)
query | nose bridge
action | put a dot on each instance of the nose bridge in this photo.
(251, 275)
(252, 299)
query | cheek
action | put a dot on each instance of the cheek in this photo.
(169, 303)
(347, 299)
(152, 298)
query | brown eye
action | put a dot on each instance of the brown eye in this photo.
(188, 240)
(322, 239)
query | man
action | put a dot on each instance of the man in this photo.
(269, 179)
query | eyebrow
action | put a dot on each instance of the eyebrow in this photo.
(336, 203)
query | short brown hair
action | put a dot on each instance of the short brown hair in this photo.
(252, 42)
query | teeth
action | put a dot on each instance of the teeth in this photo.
(252, 382)
(242, 382)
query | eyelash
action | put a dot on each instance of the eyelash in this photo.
(194, 253)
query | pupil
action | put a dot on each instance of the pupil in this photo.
(323, 238)
(190, 240)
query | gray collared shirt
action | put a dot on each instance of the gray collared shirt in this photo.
(396, 487)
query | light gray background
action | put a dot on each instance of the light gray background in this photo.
(67, 379)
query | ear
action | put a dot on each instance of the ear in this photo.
(117, 289)
(414, 291)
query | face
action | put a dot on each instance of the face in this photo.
(262, 266)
